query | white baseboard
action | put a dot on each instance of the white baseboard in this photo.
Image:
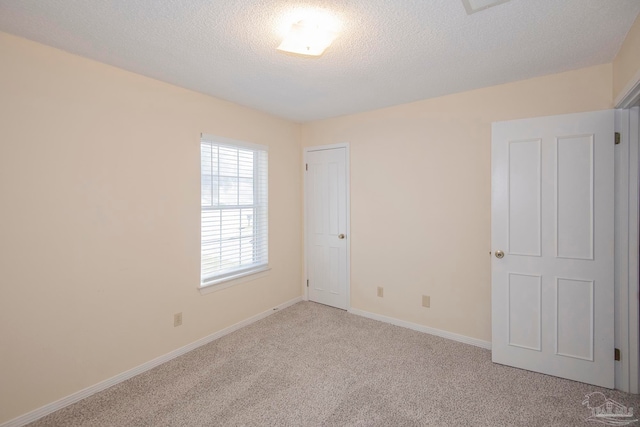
(420, 328)
(36, 414)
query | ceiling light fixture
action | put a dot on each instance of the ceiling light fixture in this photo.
(473, 6)
(308, 38)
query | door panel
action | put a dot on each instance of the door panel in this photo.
(524, 311)
(524, 206)
(575, 311)
(574, 189)
(326, 201)
(552, 215)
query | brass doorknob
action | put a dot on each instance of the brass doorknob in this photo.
(340, 236)
(499, 254)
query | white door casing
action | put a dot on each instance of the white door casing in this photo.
(626, 256)
(553, 217)
(327, 228)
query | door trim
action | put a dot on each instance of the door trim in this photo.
(634, 251)
(628, 378)
(305, 276)
(630, 94)
(627, 331)
(627, 99)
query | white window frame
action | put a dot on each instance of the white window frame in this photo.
(226, 278)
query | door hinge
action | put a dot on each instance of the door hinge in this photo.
(617, 354)
(307, 283)
(617, 138)
(306, 166)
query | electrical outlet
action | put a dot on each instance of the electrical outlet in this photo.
(380, 291)
(177, 319)
(426, 301)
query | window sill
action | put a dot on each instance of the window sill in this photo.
(247, 276)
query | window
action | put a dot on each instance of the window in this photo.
(234, 226)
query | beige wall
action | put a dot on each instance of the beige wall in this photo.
(99, 223)
(626, 65)
(421, 194)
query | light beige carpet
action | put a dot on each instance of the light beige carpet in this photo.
(311, 365)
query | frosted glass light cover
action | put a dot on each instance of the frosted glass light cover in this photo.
(307, 39)
(473, 6)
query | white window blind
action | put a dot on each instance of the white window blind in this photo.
(234, 225)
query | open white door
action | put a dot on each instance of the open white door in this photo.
(552, 232)
(326, 200)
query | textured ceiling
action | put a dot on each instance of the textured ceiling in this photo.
(389, 51)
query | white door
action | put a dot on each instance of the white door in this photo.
(326, 206)
(552, 215)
